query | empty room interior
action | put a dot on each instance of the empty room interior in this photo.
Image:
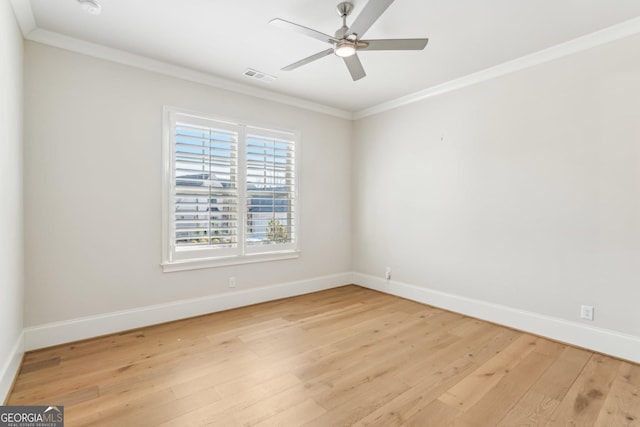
(290, 212)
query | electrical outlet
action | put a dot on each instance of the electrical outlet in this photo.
(586, 312)
(232, 282)
(387, 273)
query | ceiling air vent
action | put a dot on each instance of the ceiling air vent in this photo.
(259, 75)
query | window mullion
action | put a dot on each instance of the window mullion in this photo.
(273, 181)
(209, 172)
(242, 188)
(170, 181)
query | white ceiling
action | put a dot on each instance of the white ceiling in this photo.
(225, 37)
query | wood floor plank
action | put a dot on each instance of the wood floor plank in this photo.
(33, 366)
(436, 413)
(356, 402)
(582, 403)
(123, 410)
(295, 415)
(557, 380)
(508, 392)
(404, 407)
(622, 404)
(542, 399)
(467, 393)
(534, 409)
(476, 349)
(344, 356)
(198, 409)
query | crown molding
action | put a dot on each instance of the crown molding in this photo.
(607, 35)
(119, 56)
(24, 16)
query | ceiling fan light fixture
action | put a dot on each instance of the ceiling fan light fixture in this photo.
(345, 49)
(90, 6)
(347, 40)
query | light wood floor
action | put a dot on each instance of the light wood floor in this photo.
(346, 356)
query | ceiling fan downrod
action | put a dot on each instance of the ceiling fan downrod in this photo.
(344, 9)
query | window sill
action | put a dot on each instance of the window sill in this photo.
(195, 264)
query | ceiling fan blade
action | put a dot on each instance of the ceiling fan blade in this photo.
(355, 67)
(368, 16)
(281, 23)
(395, 44)
(308, 59)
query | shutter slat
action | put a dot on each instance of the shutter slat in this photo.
(205, 187)
(205, 199)
(270, 190)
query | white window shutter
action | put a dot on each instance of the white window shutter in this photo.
(231, 193)
(270, 188)
(206, 188)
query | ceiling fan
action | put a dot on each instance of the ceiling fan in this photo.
(348, 40)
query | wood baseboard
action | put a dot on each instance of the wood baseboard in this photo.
(11, 368)
(36, 337)
(601, 340)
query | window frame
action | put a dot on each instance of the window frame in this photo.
(178, 259)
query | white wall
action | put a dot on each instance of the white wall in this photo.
(519, 192)
(522, 191)
(93, 188)
(11, 235)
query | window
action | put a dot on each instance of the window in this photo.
(230, 192)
